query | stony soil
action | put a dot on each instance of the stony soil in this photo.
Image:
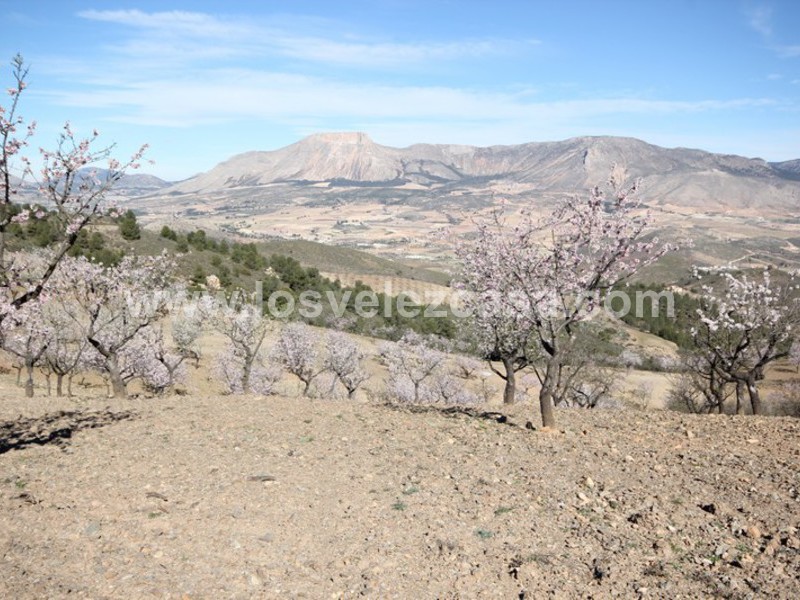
(222, 497)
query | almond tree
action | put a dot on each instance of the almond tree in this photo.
(230, 367)
(743, 327)
(67, 191)
(502, 326)
(581, 380)
(167, 363)
(449, 389)
(115, 305)
(702, 387)
(412, 366)
(555, 271)
(296, 350)
(28, 338)
(419, 372)
(67, 347)
(344, 360)
(241, 364)
(158, 363)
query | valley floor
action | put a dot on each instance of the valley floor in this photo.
(248, 497)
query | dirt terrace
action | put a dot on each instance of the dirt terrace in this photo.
(223, 497)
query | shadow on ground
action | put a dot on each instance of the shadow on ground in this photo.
(466, 411)
(54, 428)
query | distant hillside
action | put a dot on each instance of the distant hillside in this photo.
(789, 169)
(337, 259)
(142, 181)
(132, 184)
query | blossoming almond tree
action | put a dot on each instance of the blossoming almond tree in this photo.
(502, 324)
(28, 338)
(161, 361)
(344, 360)
(116, 305)
(422, 374)
(67, 346)
(156, 363)
(555, 271)
(296, 350)
(240, 365)
(702, 386)
(744, 325)
(67, 190)
(412, 365)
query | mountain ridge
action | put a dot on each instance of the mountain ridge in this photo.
(685, 175)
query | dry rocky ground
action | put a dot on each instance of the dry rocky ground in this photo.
(248, 497)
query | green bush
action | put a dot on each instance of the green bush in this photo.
(128, 227)
(168, 233)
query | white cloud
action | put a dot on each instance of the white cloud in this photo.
(239, 94)
(189, 36)
(176, 22)
(384, 54)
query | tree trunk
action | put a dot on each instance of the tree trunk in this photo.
(248, 368)
(118, 387)
(59, 384)
(755, 397)
(739, 398)
(170, 387)
(510, 391)
(546, 394)
(29, 382)
(717, 389)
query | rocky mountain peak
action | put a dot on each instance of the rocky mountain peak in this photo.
(339, 138)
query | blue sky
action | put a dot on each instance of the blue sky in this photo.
(201, 81)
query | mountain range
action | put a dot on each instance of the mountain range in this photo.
(675, 176)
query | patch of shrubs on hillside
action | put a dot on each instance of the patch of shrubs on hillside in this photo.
(197, 240)
(675, 328)
(93, 246)
(45, 231)
(286, 273)
(241, 265)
